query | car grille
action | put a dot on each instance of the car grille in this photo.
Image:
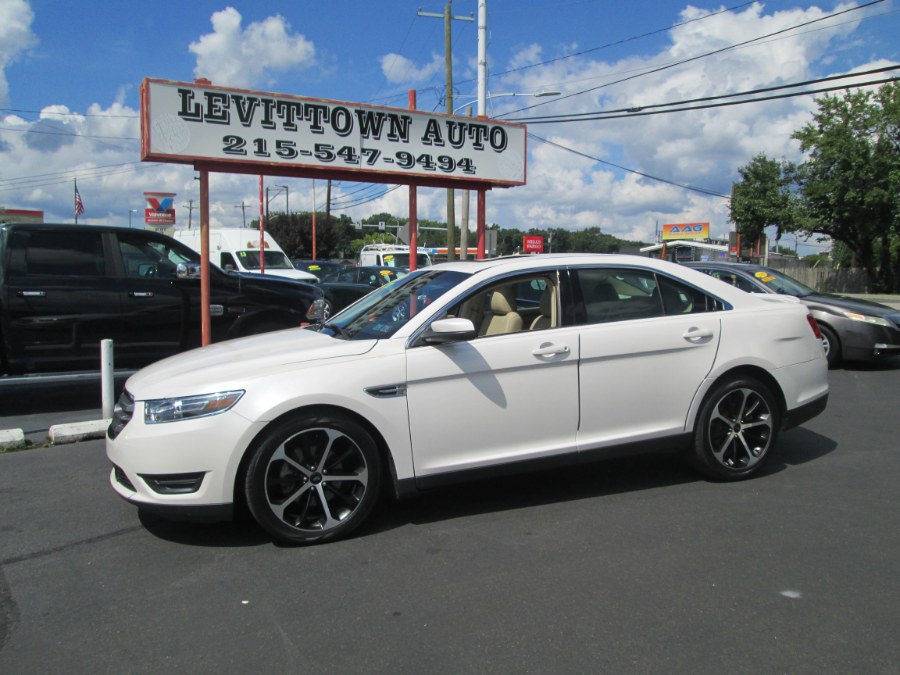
(121, 414)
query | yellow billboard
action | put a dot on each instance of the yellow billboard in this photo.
(685, 231)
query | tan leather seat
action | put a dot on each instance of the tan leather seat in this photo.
(545, 318)
(502, 317)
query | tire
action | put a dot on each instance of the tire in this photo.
(327, 310)
(832, 344)
(313, 478)
(736, 429)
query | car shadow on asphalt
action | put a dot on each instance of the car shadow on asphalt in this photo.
(599, 479)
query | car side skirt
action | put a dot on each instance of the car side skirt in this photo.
(408, 487)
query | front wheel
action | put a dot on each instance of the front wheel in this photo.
(313, 478)
(736, 429)
(832, 344)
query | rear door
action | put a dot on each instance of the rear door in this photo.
(647, 343)
(60, 303)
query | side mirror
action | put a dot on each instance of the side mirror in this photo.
(447, 330)
(187, 270)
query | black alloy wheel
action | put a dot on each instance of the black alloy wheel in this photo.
(736, 429)
(313, 479)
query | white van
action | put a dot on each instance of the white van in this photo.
(234, 248)
(392, 255)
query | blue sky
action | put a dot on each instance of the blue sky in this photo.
(70, 75)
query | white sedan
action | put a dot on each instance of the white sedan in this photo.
(466, 370)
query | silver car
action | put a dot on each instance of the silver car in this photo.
(852, 329)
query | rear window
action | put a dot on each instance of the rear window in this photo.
(56, 253)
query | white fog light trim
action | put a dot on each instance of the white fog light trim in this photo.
(160, 410)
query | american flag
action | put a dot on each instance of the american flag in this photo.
(79, 205)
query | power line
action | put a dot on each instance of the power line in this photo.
(705, 191)
(699, 56)
(617, 42)
(653, 109)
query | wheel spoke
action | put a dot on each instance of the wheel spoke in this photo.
(330, 520)
(281, 455)
(279, 508)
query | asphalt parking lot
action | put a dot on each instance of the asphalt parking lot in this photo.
(630, 566)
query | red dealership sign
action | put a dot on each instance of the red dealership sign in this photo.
(533, 243)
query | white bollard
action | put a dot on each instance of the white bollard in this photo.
(107, 378)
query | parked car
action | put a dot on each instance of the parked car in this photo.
(853, 329)
(64, 288)
(345, 286)
(441, 377)
(317, 267)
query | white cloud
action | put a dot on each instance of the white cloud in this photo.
(702, 148)
(15, 37)
(238, 57)
(397, 68)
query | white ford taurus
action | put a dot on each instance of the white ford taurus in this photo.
(461, 371)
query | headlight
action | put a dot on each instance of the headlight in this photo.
(877, 320)
(173, 409)
(316, 311)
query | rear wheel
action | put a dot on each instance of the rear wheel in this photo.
(313, 478)
(832, 344)
(736, 429)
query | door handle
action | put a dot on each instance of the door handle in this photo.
(551, 350)
(141, 294)
(31, 294)
(698, 335)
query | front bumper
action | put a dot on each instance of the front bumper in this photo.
(867, 342)
(189, 464)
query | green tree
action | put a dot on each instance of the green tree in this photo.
(294, 233)
(764, 197)
(851, 181)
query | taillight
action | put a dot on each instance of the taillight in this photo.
(814, 326)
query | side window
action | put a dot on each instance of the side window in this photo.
(731, 278)
(679, 298)
(611, 294)
(149, 259)
(226, 261)
(525, 303)
(57, 253)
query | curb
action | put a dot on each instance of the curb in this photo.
(58, 434)
(12, 439)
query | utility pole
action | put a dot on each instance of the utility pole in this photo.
(328, 203)
(190, 208)
(243, 207)
(447, 16)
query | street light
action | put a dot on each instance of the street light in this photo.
(129, 216)
(539, 94)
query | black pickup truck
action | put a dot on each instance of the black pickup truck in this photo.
(64, 288)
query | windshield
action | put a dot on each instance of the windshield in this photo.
(779, 282)
(275, 260)
(383, 312)
(402, 260)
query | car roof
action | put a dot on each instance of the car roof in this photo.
(723, 264)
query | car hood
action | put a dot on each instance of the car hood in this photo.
(232, 361)
(852, 304)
